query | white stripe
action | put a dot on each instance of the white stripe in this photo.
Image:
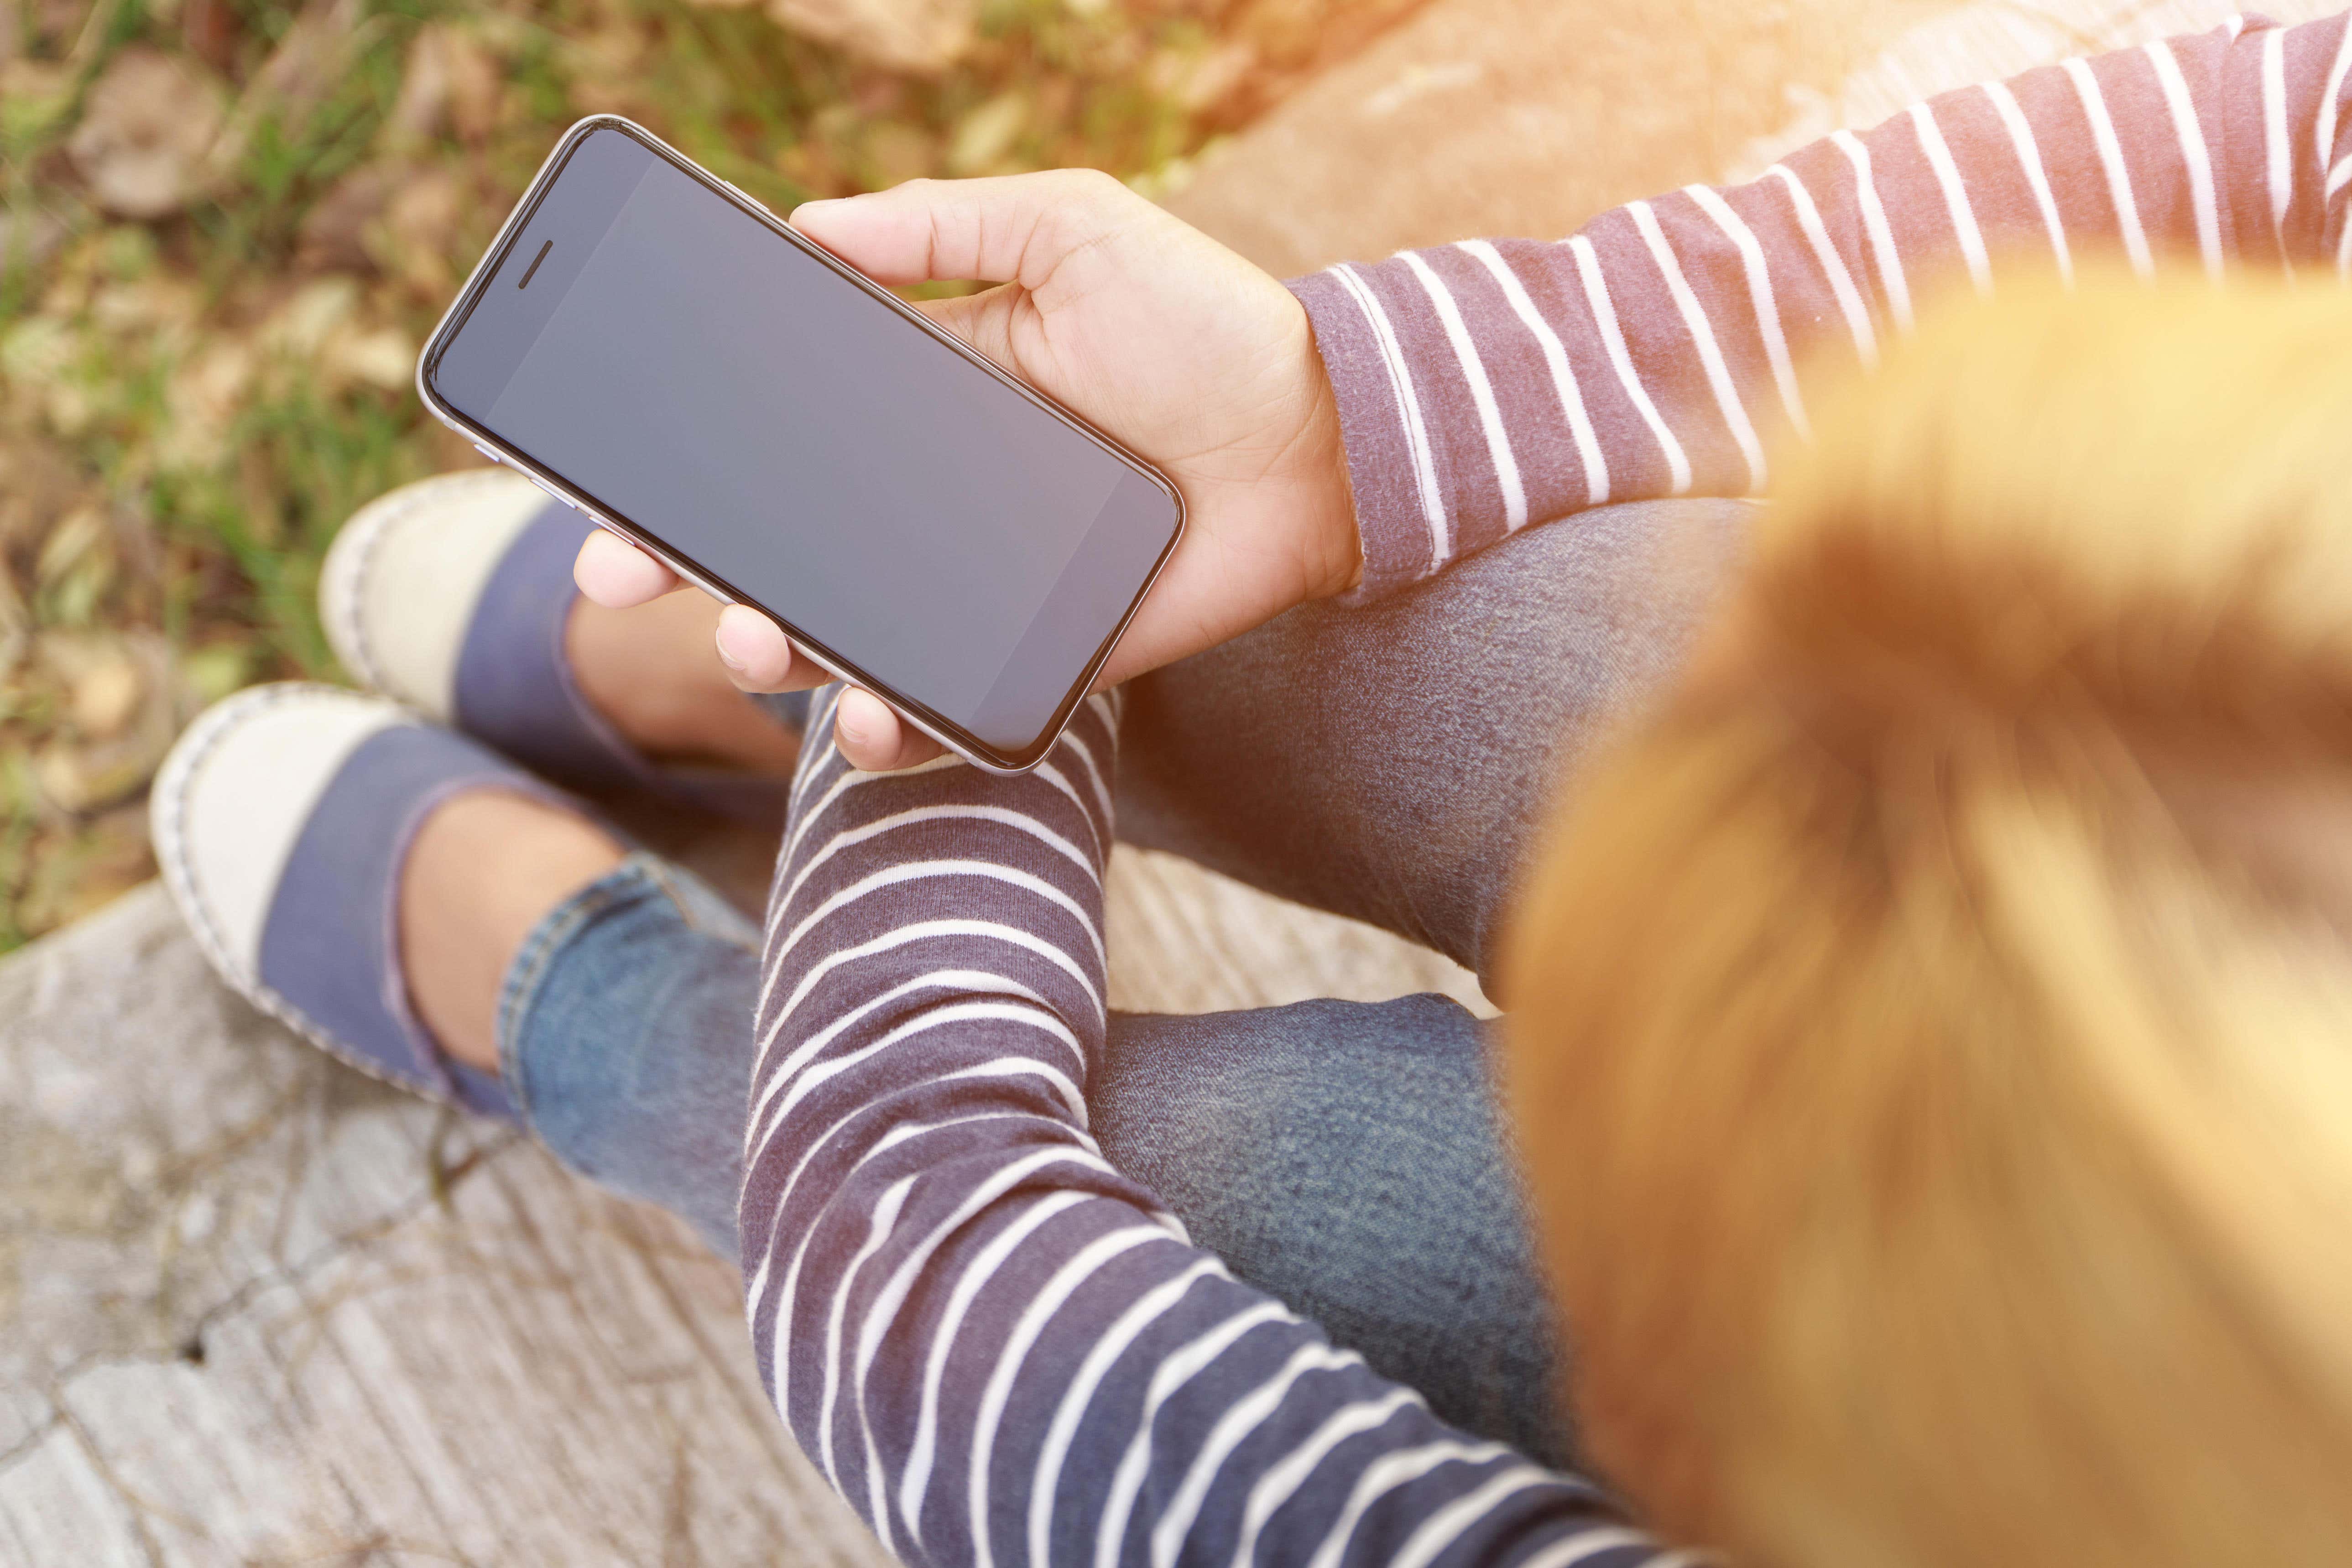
(758, 1292)
(928, 870)
(1956, 196)
(1563, 375)
(1891, 280)
(2193, 153)
(1586, 1544)
(1383, 1476)
(1482, 391)
(1849, 298)
(1761, 298)
(1083, 1266)
(883, 1310)
(1003, 1068)
(1076, 743)
(787, 1300)
(2324, 136)
(1244, 1417)
(877, 1231)
(2029, 158)
(851, 778)
(922, 931)
(1019, 820)
(1010, 1011)
(2111, 157)
(1281, 1482)
(984, 1265)
(772, 959)
(1177, 1368)
(1710, 356)
(1148, 1310)
(1053, 776)
(2274, 134)
(1444, 1527)
(1424, 467)
(987, 981)
(2339, 176)
(1621, 359)
(1012, 1067)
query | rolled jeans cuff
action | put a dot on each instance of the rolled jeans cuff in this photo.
(626, 1044)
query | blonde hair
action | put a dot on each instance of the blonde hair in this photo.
(1931, 1042)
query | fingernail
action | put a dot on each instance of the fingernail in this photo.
(729, 660)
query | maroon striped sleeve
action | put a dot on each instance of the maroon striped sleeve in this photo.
(1487, 386)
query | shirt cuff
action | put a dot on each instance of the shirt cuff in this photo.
(1391, 516)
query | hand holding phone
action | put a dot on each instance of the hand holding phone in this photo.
(1158, 335)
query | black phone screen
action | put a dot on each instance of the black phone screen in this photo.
(904, 512)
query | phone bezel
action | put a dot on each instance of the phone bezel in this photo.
(941, 729)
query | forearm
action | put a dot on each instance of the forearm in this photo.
(1487, 385)
(995, 1344)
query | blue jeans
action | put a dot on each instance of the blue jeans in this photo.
(1388, 764)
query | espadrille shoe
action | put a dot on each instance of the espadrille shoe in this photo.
(451, 594)
(281, 820)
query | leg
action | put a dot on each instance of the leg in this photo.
(1346, 1159)
(1342, 1157)
(1390, 762)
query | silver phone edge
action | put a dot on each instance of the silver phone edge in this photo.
(555, 488)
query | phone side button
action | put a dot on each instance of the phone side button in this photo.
(748, 197)
(486, 452)
(548, 490)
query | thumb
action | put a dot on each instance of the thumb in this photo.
(1012, 228)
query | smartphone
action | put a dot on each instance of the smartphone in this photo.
(656, 349)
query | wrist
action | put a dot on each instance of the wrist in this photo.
(1338, 542)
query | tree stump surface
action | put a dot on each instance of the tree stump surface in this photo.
(255, 1308)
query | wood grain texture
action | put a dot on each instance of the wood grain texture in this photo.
(256, 1310)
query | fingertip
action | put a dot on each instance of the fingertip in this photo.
(866, 729)
(757, 654)
(617, 574)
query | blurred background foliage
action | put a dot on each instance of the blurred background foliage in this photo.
(226, 224)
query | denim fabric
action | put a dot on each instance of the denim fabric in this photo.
(1339, 1156)
(625, 1038)
(1392, 763)
(1388, 764)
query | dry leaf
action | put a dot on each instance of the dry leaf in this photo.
(413, 239)
(294, 80)
(451, 81)
(201, 402)
(76, 536)
(29, 238)
(299, 329)
(146, 128)
(103, 682)
(333, 233)
(36, 483)
(987, 133)
(97, 769)
(423, 104)
(384, 358)
(920, 36)
(476, 88)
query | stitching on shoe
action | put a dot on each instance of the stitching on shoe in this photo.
(397, 508)
(179, 873)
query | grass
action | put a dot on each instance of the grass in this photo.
(201, 379)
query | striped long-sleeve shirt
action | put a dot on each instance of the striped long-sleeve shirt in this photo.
(1000, 1348)
(997, 1347)
(1488, 384)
